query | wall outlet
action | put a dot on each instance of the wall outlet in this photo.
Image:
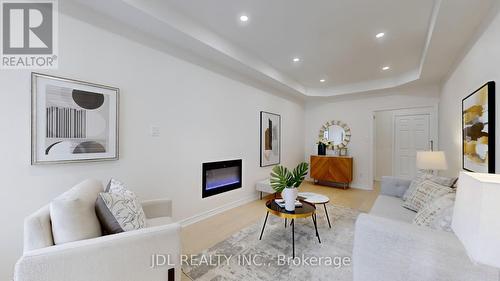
(154, 131)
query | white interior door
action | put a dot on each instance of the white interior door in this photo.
(411, 134)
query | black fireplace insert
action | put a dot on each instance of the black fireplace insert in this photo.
(222, 176)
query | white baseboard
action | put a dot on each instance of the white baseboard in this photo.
(355, 186)
(218, 210)
(361, 187)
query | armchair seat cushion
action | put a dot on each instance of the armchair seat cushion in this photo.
(390, 207)
(158, 221)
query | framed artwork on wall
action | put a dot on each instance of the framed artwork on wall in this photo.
(478, 130)
(72, 121)
(270, 139)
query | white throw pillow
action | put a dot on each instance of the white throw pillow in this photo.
(422, 176)
(119, 212)
(72, 214)
(438, 214)
(73, 220)
(115, 186)
(425, 192)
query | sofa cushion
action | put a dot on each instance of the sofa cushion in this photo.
(390, 207)
(426, 192)
(119, 212)
(73, 214)
(437, 214)
(422, 176)
(389, 250)
(394, 186)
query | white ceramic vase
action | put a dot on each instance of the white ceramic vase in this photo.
(290, 195)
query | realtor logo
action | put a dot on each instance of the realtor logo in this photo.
(29, 34)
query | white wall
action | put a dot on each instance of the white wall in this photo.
(480, 65)
(384, 128)
(357, 112)
(384, 135)
(203, 117)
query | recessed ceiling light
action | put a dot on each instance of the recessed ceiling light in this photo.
(380, 35)
(244, 18)
(296, 59)
(322, 80)
(386, 68)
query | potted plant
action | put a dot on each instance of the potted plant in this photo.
(287, 182)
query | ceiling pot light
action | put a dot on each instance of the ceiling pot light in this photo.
(386, 68)
(244, 18)
(296, 59)
(322, 80)
(380, 35)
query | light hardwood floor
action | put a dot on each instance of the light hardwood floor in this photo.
(205, 234)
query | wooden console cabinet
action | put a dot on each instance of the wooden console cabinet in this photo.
(337, 169)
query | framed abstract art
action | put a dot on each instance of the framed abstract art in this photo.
(270, 136)
(72, 121)
(478, 130)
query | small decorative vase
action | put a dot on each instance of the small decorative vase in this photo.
(321, 149)
(290, 195)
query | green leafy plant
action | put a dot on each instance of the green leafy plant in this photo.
(282, 178)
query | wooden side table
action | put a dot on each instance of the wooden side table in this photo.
(337, 169)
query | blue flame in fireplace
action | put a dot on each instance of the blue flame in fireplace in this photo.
(212, 184)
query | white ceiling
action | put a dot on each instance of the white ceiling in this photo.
(335, 39)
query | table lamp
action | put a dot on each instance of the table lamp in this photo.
(431, 160)
(476, 217)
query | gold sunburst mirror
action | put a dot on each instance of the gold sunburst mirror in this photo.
(336, 133)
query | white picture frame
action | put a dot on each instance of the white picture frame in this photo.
(73, 121)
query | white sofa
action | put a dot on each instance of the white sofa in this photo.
(387, 246)
(125, 256)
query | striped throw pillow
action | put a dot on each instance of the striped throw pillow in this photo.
(424, 193)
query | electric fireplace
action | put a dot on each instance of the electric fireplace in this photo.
(219, 177)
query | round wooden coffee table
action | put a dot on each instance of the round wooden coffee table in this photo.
(307, 210)
(315, 198)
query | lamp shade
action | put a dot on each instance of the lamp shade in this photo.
(476, 220)
(431, 160)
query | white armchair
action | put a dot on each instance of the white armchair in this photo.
(126, 256)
